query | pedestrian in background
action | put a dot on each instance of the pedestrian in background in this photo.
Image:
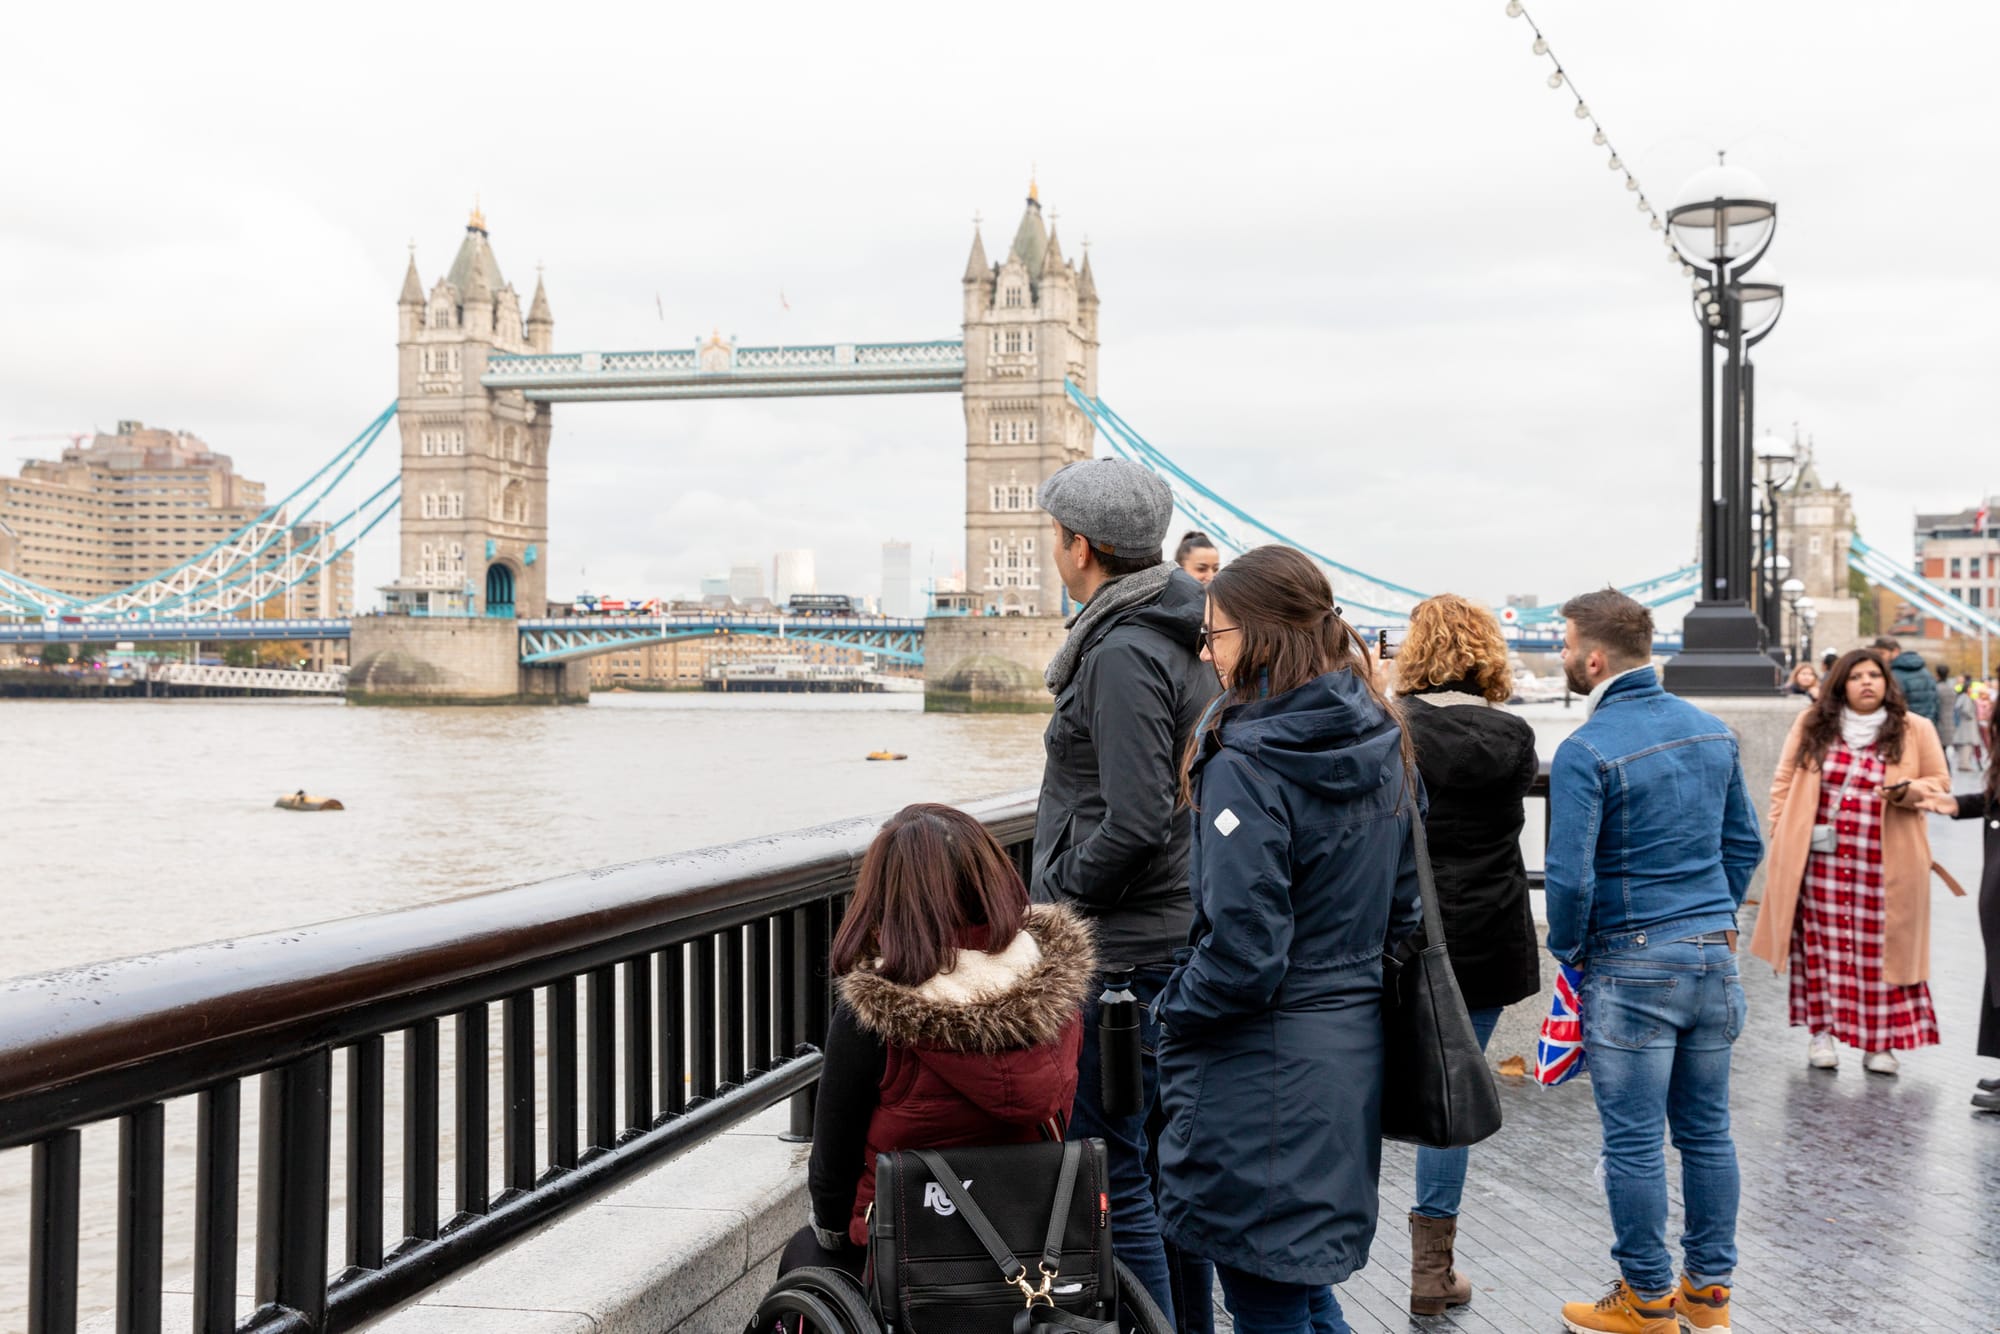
(1804, 680)
(1477, 762)
(1197, 555)
(1652, 842)
(1914, 679)
(1984, 805)
(1303, 875)
(1967, 742)
(1847, 900)
(1129, 686)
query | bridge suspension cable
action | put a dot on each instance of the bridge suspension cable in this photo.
(1927, 597)
(234, 573)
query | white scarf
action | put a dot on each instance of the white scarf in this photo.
(1859, 730)
(1596, 695)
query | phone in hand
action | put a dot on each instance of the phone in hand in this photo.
(1387, 642)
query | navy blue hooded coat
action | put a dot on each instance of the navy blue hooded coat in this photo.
(1302, 874)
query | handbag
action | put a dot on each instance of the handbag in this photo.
(943, 1261)
(1437, 1089)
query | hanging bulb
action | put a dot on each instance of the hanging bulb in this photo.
(1631, 183)
(1513, 9)
(1556, 79)
(1541, 46)
(1615, 163)
(1582, 111)
(1656, 223)
(1598, 138)
(1644, 206)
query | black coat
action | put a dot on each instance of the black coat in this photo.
(1108, 839)
(1974, 806)
(1478, 763)
(1271, 1059)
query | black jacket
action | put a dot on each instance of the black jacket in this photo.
(1920, 690)
(1109, 840)
(1973, 806)
(1477, 764)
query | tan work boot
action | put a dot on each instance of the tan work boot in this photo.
(1623, 1311)
(1704, 1309)
(1434, 1284)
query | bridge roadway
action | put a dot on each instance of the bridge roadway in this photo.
(564, 638)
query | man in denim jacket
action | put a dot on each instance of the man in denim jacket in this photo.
(1652, 842)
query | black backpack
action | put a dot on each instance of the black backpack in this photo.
(1008, 1240)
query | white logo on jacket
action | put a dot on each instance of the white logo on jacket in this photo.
(1227, 822)
(938, 1202)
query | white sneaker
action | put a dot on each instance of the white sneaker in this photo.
(1821, 1054)
(1880, 1063)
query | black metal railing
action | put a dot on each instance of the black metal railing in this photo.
(660, 1002)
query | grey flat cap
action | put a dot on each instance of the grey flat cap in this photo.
(1113, 502)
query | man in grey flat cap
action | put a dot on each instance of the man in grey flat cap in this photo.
(1130, 686)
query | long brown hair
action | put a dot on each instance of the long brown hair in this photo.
(1823, 721)
(1292, 633)
(929, 882)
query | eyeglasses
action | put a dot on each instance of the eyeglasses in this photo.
(1208, 637)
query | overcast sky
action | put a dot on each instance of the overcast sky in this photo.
(1362, 270)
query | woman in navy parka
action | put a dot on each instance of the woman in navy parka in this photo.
(1302, 875)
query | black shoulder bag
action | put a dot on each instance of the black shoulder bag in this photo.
(934, 1250)
(1436, 1089)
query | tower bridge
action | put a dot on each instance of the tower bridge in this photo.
(477, 381)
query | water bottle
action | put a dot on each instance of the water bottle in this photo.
(1121, 1078)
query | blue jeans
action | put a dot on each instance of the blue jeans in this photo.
(1135, 1216)
(1441, 1172)
(1263, 1306)
(1658, 1021)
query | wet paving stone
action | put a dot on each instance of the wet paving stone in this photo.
(1869, 1203)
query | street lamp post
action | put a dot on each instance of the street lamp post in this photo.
(1777, 461)
(1722, 226)
(1794, 592)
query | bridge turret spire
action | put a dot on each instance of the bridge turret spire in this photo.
(977, 270)
(541, 323)
(1086, 286)
(1052, 257)
(413, 287)
(1031, 237)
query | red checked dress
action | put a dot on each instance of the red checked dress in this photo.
(1836, 967)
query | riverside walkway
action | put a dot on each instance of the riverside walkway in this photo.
(1869, 1203)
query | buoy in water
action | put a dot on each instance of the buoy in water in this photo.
(887, 755)
(299, 801)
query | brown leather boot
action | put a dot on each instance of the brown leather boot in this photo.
(1434, 1284)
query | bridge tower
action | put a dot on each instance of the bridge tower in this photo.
(475, 461)
(1030, 325)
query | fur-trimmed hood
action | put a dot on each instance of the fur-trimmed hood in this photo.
(1024, 996)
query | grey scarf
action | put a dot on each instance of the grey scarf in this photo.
(1133, 590)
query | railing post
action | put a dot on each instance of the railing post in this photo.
(364, 1153)
(52, 1229)
(141, 1197)
(292, 1165)
(217, 1155)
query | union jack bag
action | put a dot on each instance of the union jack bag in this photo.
(1559, 1052)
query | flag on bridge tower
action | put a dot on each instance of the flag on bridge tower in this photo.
(1979, 520)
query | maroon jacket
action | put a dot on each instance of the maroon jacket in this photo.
(983, 1054)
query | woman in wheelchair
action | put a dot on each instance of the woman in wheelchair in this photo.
(958, 1021)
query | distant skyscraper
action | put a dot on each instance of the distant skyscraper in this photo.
(899, 598)
(715, 586)
(746, 581)
(792, 572)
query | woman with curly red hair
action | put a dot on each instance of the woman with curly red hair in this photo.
(1477, 761)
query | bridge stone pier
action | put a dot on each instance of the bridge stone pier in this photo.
(454, 660)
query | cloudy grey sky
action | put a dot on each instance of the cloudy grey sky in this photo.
(1362, 270)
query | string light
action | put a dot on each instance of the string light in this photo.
(1560, 76)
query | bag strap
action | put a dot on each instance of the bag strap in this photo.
(1426, 880)
(1011, 1267)
(1059, 1215)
